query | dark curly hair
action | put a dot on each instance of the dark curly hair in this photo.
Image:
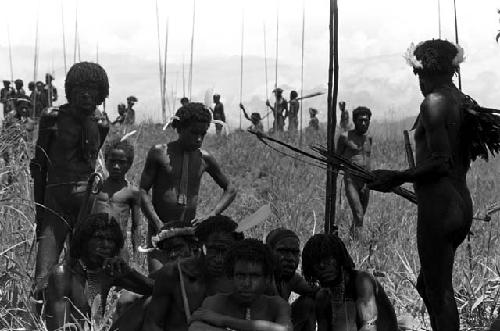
(249, 250)
(193, 112)
(86, 229)
(218, 223)
(321, 246)
(361, 110)
(87, 74)
(293, 95)
(437, 57)
(123, 145)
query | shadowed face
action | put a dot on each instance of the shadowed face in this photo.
(287, 251)
(327, 271)
(216, 247)
(101, 245)
(191, 137)
(177, 248)
(117, 164)
(362, 123)
(249, 281)
(84, 99)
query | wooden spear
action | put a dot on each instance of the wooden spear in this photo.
(265, 69)
(302, 70)
(190, 79)
(63, 37)
(160, 68)
(241, 59)
(456, 41)
(165, 95)
(10, 54)
(333, 70)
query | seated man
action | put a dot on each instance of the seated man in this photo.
(249, 264)
(181, 287)
(118, 197)
(94, 266)
(348, 299)
(255, 118)
(175, 241)
(285, 246)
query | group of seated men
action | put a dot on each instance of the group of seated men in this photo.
(214, 279)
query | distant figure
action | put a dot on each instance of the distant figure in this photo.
(348, 299)
(313, 120)
(122, 113)
(356, 145)
(279, 110)
(255, 119)
(42, 96)
(50, 90)
(19, 93)
(130, 114)
(84, 279)
(5, 94)
(118, 197)
(250, 265)
(68, 144)
(293, 113)
(344, 117)
(36, 106)
(218, 114)
(174, 170)
(184, 101)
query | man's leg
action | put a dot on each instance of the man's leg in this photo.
(353, 197)
(365, 198)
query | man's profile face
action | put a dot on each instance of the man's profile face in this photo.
(287, 252)
(191, 137)
(85, 99)
(101, 245)
(327, 271)
(6, 84)
(177, 248)
(362, 123)
(249, 281)
(216, 247)
(117, 164)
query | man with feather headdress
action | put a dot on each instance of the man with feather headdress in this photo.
(451, 131)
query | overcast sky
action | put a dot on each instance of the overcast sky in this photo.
(373, 37)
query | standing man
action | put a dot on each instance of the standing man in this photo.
(218, 114)
(173, 171)
(279, 110)
(20, 93)
(293, 113)
(313, 120)
(6, 93)
(356, 145)
(68, 143)
(50, 90)
(130, 114)
(444, 143)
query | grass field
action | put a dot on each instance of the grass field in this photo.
(296, 191)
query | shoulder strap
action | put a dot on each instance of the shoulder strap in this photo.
(185, 300)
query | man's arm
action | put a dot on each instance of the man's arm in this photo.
(136, 220)
(245, 112)
(147, 178)
(215, 172)
(323, 310)
(160, 303)
(208, 313)
(433, 116)
(366, 304)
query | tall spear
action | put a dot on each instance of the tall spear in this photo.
(241, 59)
(190, 79)
(10, 54)
(456, 41)
(275, 123)
(75, 48)
(333, 70)
(37, 46)
(63, 37)
(265, 68)
(160, 69)
(302, 70)
(183, 77)
(439, 18)
(165, 73)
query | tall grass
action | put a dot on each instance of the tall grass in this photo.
(295, 189)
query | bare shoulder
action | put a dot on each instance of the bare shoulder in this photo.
(59, 281)
(208, 157)
(436, 105)
(365, 284)
(155, 152)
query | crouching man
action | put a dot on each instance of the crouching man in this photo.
(349, 299)
(249, 264)
(94, 266)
